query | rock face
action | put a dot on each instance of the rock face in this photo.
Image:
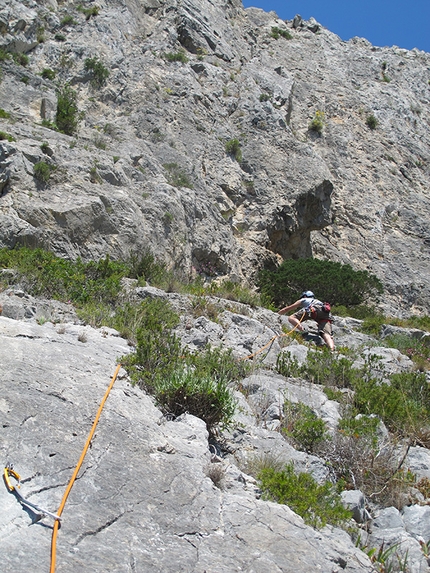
(197, 144)
(154, 494)
(143, 500)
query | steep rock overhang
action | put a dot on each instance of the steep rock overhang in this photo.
(291, 225)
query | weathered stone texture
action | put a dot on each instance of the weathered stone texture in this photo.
(148, 166)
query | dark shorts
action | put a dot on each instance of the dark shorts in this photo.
(324, 325)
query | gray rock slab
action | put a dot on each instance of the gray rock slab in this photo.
(142, 500)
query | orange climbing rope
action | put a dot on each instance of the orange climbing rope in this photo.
(78, 467)
(273, 339)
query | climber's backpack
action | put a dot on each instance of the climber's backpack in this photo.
(320, 311)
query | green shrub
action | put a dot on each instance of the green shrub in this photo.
(48, 74)
(278, 33)
(4, 55)
(42, 171)
(21, 59)
(88, 12)
(144, 266)
(68, 20)
(97, 70)
(66, 118)
(40, 35)
(176, 176)
(60, 37)
(45, 147)
(7, 136)
(303, 426)
(158, 351)
(403, 404)
(218, 364)
(360, 427)
(49, 124)
(317, 504)
(176, 57)
(265, 97)
(339, 284)
(203, 396)
(371, 121)
(232, 147)
(317, 123)
(42, 273)
(322, 367)
(4, 114)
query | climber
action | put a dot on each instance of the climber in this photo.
(312, 309)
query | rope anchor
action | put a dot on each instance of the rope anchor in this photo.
(10, 472)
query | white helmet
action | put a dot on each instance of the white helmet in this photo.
(308, 294)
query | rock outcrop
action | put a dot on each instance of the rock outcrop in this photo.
(154, 494)
(152, 164)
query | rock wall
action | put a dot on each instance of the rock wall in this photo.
(148, 166)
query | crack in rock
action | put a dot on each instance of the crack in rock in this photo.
(99, 529)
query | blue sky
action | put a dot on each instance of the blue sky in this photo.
(383, 22)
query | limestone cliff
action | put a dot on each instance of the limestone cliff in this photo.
(196, 142)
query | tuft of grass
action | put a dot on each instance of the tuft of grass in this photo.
(48, 74)
(6, 136)
(21, 59)
(176, 57)
(319, 505)
(42, 171)
(88, 12)
(68, 20)
(279, 33)
(176, 176)
(232, 147)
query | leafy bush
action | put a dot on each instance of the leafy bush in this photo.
(4, 114)
(21, 59)
(7, 136)
(180, 382)
(371, 121)
(417, 350)
(66, 118)
(4, 55)
(317, 504)
(158, 351)
(317, 123)
(265, 97)
(48, 74)
(98, 72)
(203, 396)
(303, 426)
(339, 284)
(403, 404)
(176, 176)
(278, 32)
(42, 273)
(176, 57)
(42, 171)
(218, 364)
(232, 147)
(88, 12)
(68, 20)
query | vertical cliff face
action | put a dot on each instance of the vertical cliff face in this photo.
(214, 134)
